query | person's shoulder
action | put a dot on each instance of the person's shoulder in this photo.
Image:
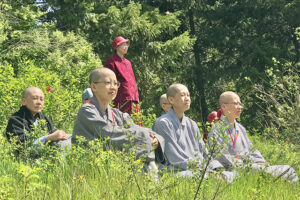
(164, 119)
(191, 121)
(241, 127)
(87, 107)
(17, 115)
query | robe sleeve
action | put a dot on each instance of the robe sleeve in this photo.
(110, 64)
(137, 130)
(255, 156)
(15, 127)
(218, 147)
(174, 154)
(213, 164)
(124, 133)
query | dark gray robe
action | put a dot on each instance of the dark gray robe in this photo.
(92, 123)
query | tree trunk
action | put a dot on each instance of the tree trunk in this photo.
(199, 80)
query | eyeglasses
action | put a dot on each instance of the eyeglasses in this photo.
(236, 104)
(110, 83)
(125, 44)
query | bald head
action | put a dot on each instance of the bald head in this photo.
(163, 99)
(28, 91)
(164, 103)
(33, 99)
(226, 97)
(174, 89)
(99, 73)
(231, 105)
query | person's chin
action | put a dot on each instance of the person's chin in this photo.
(187, 107)
(238, 115)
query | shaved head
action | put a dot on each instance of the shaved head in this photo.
(174, 89)
(226, 97)
(163, 99)
(26, 93)
(231, 105)
(33, 99)
(98, 73)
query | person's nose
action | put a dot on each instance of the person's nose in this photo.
(39, 102)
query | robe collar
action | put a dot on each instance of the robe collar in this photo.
(102, 113)
(28, 114)
(226, 122)
(174, 117)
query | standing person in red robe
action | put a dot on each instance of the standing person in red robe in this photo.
(128, 96)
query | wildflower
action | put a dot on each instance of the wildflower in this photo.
(49, 89)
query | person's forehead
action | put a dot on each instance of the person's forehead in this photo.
(236, 98)
(36, 92)
(182, 89)
(108, 75)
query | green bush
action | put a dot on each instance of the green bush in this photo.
(281, 102)
(61, 104)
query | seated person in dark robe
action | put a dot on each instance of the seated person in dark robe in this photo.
(22, 123)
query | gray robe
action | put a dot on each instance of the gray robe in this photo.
(92, 123)
(235, 141)
(183, 142)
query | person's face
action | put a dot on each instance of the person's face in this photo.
(233, 108)
(181, 101)
(106, 88)
(35, 101)
(122, 48)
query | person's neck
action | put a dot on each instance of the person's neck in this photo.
(120, 55)
(178, 113)
(33, 114)
(231, 120)
(103, 105)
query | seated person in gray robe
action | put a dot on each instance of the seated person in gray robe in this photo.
(183, 141)
(22, 123)
(235, 146)
(97, 120)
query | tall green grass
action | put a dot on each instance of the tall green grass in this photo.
(91, 173)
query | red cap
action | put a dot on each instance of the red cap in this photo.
(119, 40)
(212, 117)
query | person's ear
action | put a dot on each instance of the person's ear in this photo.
(93, 87)
(223, 107)
(23, 101)
(171, 100)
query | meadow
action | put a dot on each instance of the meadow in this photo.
(88, 172)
